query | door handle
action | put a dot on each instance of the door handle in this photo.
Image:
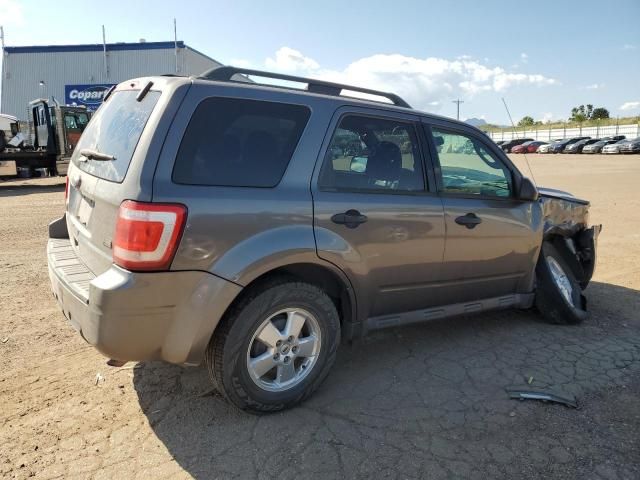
(470, 220)
(350, 218)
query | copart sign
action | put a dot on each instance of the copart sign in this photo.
(90, 96)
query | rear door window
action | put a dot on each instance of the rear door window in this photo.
(373, 154)
(115, 129)
(239, 143)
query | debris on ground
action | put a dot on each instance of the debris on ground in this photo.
(99, 378)
(545, 396)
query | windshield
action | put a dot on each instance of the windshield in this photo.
(76, 120)
(115, 130)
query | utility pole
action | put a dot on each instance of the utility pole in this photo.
(175, 42)
(457, 102)
(104, 53)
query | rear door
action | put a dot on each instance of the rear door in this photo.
(374, 215)
(127, 127)
(492, 237)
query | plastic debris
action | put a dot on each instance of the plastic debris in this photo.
(545, 396)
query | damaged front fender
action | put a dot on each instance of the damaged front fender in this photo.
(566, 225)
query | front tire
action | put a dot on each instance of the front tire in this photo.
(558, 293)
(275, 347)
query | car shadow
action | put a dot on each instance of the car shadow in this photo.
(396, 389)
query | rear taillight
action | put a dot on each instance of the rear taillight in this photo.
(147, 234)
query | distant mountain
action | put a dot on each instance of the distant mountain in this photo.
(476, 122)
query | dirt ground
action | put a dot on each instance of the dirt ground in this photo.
(421, 402)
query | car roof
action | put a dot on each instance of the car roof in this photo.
(229, 78)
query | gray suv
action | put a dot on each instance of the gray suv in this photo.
(254, 227)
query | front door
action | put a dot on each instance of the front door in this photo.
(492, 237)
(374, 216)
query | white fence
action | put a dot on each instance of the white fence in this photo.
(547, 134)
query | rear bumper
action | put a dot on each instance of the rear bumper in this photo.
(139, 316)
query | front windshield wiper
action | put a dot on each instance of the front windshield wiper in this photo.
(95, 155)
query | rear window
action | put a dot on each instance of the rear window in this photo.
(115, 130)
(239, 143)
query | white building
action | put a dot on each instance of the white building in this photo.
(81, 74)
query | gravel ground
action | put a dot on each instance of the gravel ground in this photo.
(421, 402)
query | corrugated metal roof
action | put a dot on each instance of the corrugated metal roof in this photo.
(61, 66)
(93, 47)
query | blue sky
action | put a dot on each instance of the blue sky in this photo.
(544, 57)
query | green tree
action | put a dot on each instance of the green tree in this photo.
(526, 121)
(599, 113)
(578, 114)
(582, 113)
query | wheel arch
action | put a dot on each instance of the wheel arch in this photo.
(578, 251)
(324, 275)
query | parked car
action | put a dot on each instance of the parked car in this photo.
(206, 220)
(614, 147)
(522, 148)
(559, 146)
(500, 142)
(533, 147)
(597, 146)
(631, 146)
(545, 148)
(577, 147)
(507, 146)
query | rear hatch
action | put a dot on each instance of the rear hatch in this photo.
(112, 162)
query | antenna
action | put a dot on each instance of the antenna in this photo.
(516, 135)
(457, 102)
(513, 125)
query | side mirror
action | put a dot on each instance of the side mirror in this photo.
(358, 164)
(528, 190)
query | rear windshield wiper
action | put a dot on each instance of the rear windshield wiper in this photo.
(95, 155)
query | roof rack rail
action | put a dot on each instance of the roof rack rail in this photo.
(225, 74)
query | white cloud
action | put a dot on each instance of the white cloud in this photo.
(11, 13)
(424, 82)
(630, 106)
(291, 60)
(628, 46)
(524, 58)
(594, 86)
(240, 62)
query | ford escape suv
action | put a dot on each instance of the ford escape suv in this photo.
(253, 227)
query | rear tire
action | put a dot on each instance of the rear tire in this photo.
(275, 347)
(558, 294)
